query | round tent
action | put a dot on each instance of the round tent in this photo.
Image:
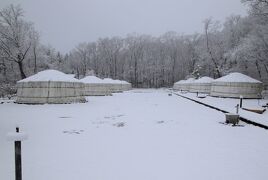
(121, 86)
(95, 86)
(235, 85)
(187, 84)
(178, 85)
(50, 86)
(111, 85)
(126, 86)
(117, 87)
(202, 85)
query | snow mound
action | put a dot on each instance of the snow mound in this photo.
(91, 79)
(50, 75)
(237, 77)
(204, 80)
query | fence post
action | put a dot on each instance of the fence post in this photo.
(18, 158)
(241, 101)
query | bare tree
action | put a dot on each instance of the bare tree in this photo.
(208, 26)
(15, 39)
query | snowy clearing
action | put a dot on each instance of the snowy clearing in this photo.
(136, 135)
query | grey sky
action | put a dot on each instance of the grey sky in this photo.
(65, 23)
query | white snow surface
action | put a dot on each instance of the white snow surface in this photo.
(14, 136)
(136, 135)
(50, 75)
(204, 80)
(237, 77)
(229, 104)
(91, 79)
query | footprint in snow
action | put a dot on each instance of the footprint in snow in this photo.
(73, 132)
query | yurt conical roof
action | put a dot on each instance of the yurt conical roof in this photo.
(108, 80)
(204, 79)
(50, 75)
(237, 77)
(190, 80)
(180, 82)
(91, 79)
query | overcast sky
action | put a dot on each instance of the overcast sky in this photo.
(65, 23)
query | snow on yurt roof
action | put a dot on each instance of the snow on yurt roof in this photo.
(91, 79)
(237, 77)
(180, 82)
(50, 75)
(108, 80)
(125, 82)
(118, 81)
(71, 75)
(204, 79)
(190, 80)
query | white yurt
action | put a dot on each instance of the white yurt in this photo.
(120, 86)
(117, 87)
(50, 86)
(113, 85)
(187, 84)
(201, 85)
(126, 86)
(95, 86)
(235, 85)
(178, 85)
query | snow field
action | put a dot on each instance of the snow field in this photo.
(140, 134)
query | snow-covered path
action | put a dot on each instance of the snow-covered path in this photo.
(137, 135)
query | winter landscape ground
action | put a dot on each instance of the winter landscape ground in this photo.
(137, 135)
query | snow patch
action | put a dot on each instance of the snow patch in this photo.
(17, 136)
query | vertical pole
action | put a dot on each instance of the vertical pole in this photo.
(237, 108)
(241, 101)
(18, 158)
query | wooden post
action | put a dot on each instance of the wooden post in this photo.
(18, 158)
(241, 101)
(237, 108)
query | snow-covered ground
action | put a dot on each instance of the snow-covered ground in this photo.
(136, 135)
(229, 104)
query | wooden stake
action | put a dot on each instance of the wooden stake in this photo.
(18, 158)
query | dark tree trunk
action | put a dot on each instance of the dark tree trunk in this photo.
(135, 73)
(35, 63)
(22, 74)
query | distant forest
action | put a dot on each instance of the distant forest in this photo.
(238, 44)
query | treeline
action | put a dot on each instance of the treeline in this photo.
(238, 44)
